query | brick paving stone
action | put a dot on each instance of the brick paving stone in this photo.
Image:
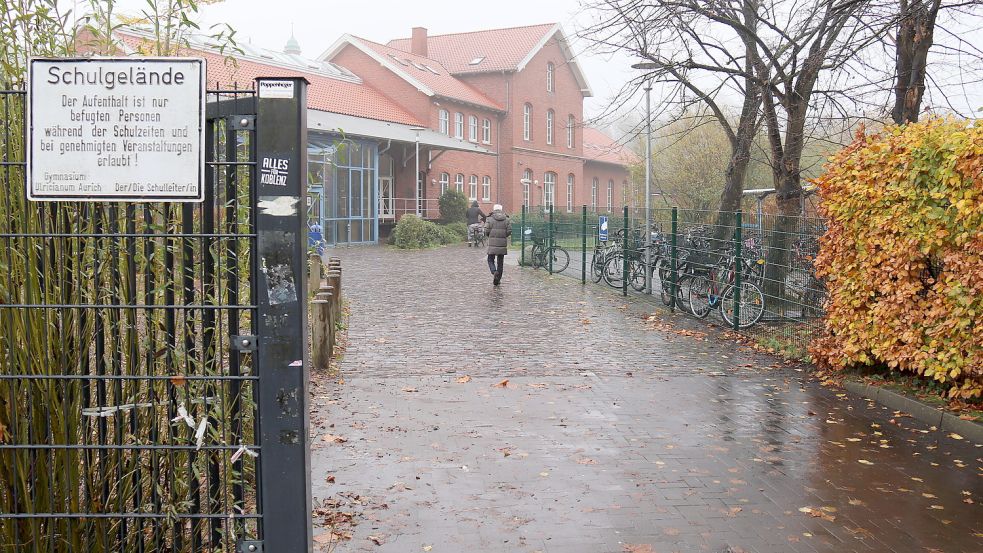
(611, 432)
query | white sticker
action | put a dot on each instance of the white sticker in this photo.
(276, 89)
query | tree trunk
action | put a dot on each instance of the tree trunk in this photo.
(780, 240)
(916, 27)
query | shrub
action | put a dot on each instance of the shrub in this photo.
(453, 207)
(447, 235)
(903, 256)
(459, 229)
(412, 232)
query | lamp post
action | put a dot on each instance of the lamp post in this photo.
(648, 176)
(416, 172)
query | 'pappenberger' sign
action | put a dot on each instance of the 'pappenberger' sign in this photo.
(126, 129)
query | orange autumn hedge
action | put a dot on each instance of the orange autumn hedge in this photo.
(903, 256)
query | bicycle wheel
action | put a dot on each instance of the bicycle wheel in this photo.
(561, 259)
(536, 256)
(699, 296)
(597, 266)
(665, 282)
(636, 275)
(614, 270)
(752, 305)
(682, 290)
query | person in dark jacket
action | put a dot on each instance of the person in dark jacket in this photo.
(475, 218)
(498, 228)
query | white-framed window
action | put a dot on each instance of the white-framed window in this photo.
(473, 187)
(486, 188)
(593, 194)
(526, 182)
(550, 116)
(458, 125)
(444, 121)
(472, 128)
(570, 126)
(459, 182)
(549, 189)
(570, 179)
(527, 122)
(445, 179)
(610, 193)
(550, 69)
(486, 131)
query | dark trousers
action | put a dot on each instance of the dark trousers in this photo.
(494, 258)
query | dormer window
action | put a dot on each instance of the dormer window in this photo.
(549, 76)
(401, 62)
(477, 60)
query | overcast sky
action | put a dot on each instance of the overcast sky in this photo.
(317, 24)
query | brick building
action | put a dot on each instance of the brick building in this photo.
(496, 114)
(518, 92)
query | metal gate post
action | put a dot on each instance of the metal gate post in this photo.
(551, 241)
(283, 359)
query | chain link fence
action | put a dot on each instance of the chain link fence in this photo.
(747, 271)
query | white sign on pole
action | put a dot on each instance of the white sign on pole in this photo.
(126, 129)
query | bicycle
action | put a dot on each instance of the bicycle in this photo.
(716, 289)
(551, 257)
(478, 236)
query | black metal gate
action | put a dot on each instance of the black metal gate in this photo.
(139, 347)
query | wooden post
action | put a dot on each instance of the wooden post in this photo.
(321, 309)
(333, 278)
(314, 266)
(328, 293)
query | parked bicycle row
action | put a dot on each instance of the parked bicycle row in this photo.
(698, 272)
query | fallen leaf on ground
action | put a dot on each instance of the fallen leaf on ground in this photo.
(410, 390)
(586, 461)
(376, 540)
(536, 385)
(464, 379)
(502, 384)
(638, 548)
(427, 547)
(334, 439)
(955, 436)
(864, 462)
(937, 507)
(330, 479)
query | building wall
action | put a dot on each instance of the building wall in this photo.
(605, 172)
(385, 81)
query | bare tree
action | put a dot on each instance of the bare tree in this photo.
(703, 64)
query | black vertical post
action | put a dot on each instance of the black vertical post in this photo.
(283, 367)
(522, 238)
(550, 242)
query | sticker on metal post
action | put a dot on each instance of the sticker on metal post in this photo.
(276, 89)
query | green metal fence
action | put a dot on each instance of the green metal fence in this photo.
(752, 273)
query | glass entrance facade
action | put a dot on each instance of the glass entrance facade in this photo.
(342, 180)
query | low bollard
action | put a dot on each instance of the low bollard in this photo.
(321, 338)
(333, 278)
(314, 278)
(326, 294)
(330, 291)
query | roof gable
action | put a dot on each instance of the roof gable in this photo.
(508, 49)
(429, 76)
(330, 88)
(600, 147)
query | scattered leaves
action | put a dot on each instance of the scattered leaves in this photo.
(464, 379)
(331, 438)
(502, 384)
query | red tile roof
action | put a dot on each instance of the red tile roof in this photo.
(600, 147)
(336, 95)
(431, 74)
(502, 49)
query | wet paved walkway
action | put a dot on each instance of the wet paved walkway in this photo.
(613, 433)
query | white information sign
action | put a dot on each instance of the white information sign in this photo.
(127, 129)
